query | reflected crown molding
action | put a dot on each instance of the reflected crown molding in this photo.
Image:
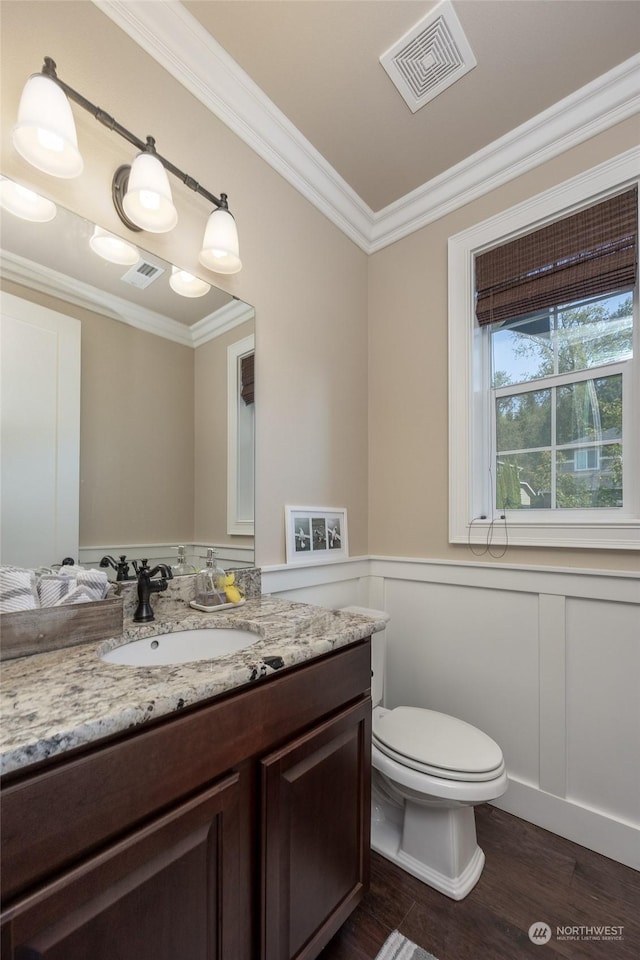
(175, 39)
(34, 275)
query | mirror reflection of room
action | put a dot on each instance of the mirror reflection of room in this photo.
(161, 454)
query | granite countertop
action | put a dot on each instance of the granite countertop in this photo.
(54, 702)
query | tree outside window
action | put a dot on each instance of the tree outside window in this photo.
(558, 405)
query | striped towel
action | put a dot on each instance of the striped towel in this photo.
(94, 582)
(72, 585)
(17, 590)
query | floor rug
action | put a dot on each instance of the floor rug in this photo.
(398, 947)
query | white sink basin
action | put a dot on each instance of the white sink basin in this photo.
(183, 646)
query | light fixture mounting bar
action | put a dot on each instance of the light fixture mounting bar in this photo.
(148, 145)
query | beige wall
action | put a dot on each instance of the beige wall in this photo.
(136, 436)
(408, 383)
(306, 280)
(210, 490)
(335, 426)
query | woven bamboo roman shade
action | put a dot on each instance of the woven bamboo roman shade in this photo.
(247, 391)
(591, 253)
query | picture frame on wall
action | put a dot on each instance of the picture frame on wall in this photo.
(316, 534)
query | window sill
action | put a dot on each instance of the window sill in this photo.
(592, 535)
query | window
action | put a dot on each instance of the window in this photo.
(588, 458)
(544, 370)
(240, 437)
(571, 422)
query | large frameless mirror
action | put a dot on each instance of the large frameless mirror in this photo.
(131, 432)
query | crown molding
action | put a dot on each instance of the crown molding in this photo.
(606, 101)
(221, 321)
(34, 275)
(177, 41)
(173, 37)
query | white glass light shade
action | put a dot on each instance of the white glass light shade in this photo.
(45, 134)
(186, 284)
(112, 248)
(24, 203)
(220, 251)
(148, 202)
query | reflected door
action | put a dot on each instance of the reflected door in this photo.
(40, 423)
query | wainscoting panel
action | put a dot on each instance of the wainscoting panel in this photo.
(546, 661)
(603, 706)
(472, 653)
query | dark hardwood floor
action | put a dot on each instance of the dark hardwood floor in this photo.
(530, 875)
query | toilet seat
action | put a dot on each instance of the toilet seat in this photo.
(436, 744)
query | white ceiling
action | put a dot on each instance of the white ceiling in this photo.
(318, 61)
(301, 83)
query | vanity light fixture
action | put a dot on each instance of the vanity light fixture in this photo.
(186, 284)
(148, 201)
(220, 251)
(113, 248)
(45, 136)
(24, 203)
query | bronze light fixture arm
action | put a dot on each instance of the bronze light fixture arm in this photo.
(148, 145)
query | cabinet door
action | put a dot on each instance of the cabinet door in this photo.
(167, 891)
(315, 834)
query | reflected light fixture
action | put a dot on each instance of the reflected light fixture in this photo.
(24, 203)
(113, 248)
(45, 136)
(186, 284)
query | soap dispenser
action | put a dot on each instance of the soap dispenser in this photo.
(210, 583)
(181, 568)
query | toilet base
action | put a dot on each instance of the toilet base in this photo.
(445, 854)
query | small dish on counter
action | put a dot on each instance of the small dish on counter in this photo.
(217, 606)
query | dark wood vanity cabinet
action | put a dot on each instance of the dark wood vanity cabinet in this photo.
(161, 892)
(236, 831)
(315, 834)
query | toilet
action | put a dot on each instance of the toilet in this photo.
(429, 770)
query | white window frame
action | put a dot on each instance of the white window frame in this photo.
(240, 439)
(471, 519)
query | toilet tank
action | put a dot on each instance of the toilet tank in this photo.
(378, 651)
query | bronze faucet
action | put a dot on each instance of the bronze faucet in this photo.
(147, 586)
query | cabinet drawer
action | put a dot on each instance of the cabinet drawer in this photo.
(158, 894)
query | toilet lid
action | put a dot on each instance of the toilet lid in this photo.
(437, 740)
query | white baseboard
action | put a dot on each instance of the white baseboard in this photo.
(590, 828)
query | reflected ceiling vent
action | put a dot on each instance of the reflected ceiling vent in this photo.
(430, 57)
(142, 274)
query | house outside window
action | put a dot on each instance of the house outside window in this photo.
(544, 409)
(588, 458)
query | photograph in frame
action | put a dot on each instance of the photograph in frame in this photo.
(315, 534)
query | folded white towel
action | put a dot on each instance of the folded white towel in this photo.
(78, 595)
(22, 589)
(72, 585)
(52, 588)
(95, 583)
(17, 589)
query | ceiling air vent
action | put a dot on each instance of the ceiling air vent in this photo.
(142, 274)
(430, 57)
